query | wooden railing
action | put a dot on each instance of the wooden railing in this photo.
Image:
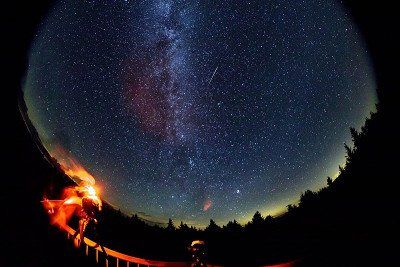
(118, 259)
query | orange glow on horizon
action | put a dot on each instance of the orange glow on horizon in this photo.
(71, 166)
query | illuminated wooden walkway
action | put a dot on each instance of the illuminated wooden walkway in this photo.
(118, 259)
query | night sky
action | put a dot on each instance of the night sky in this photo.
(194, 110)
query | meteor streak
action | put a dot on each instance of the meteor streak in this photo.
(213, 75)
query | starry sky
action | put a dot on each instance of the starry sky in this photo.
(194, 110)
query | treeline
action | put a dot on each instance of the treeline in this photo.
(341, 217)
(356, 156)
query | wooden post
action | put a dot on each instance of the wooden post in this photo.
(97, 256)
(106, 262)
(117, 262)
(127, 264)
(87, 250)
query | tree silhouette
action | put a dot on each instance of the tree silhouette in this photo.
(355, 137)
(170, 226)
(341, 169)
(269, 219)
(233, 226)
(349, 153)
(329, 181)
(307, 198)
(184, 227)
(257, 219)
(256, 222)
(212, 227)
(291, 208)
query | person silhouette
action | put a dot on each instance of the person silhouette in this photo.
(88, 214)
(198, 251)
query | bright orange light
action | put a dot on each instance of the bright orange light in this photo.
(71, 166)
(61, 211)
(90, 190)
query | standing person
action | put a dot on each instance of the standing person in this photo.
(89, 213)
(198, 251)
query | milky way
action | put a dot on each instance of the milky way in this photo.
(194, 110)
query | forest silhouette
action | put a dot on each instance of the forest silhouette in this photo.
(354, 211)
